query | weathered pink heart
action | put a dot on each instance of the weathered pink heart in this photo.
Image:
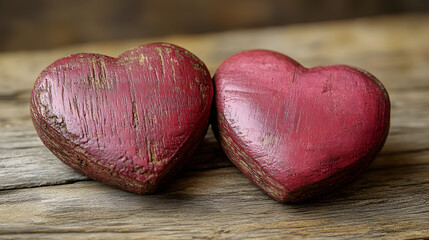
(130, 122)
(298, 132)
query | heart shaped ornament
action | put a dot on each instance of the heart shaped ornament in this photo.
(298, 132)
(130, 122)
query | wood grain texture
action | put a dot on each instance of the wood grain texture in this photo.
(131, 122)
(212, 199)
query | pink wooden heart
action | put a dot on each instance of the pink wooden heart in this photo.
(130, 122)
(298, 132)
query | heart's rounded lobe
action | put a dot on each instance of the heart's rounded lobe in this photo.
(131, 121)
(298, 132)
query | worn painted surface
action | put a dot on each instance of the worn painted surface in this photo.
(298, 132)
(130, 122)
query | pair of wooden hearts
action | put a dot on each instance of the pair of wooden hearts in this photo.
(133, 121)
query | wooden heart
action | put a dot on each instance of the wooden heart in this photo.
(130, 122)
(298, 132)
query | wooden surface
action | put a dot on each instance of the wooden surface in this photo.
(42, 198)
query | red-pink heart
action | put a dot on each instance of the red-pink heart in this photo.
(130, 122)
(298, 132)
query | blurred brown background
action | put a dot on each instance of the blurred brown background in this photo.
(35, 24)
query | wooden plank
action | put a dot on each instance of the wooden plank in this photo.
(205, 204)
(24, 162)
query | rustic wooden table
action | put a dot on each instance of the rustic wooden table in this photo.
(42, 198)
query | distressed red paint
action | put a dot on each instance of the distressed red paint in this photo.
(130, 122)
(298, 132)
